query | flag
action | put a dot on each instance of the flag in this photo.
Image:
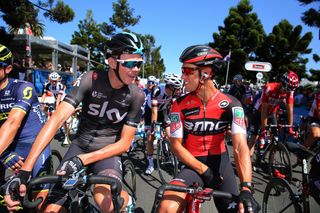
(227, 57)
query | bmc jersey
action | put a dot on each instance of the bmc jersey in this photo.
(55, 90)
(203, 127)
(104, 109)
(315, 106)
(21, 95)
(159, 98)
(271, 95)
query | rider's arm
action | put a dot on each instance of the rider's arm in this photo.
(10, 128)
(46, 134)
(186, 157)
(154, 103)
(43, 97)
(264, 115)
(114, 149)
(289, 106)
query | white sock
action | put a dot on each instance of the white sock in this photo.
(150, 160)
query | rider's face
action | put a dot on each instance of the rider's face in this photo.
(190, 78)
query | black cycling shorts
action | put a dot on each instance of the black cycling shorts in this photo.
(220, 165)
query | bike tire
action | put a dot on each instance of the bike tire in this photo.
(55, 160)
(280, 197)
(166, 161)
(279, 161)
(129, 178)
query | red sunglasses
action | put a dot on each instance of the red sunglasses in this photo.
(188, 70)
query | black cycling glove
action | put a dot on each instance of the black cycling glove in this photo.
(250, 204)
(210, 180)
(72, 165)
(11, 187)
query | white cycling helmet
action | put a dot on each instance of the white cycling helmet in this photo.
(54, 76)
(152, 79)
(173, 80)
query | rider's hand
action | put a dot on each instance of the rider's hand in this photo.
(71, 166)
(11, 160)
(210, 180)
(247, 203)
(292, 132)
(263, 134)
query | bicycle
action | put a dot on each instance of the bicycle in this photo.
(281, 196)
(166, 160)
(77, 191)
(196, 195)
(278, 163)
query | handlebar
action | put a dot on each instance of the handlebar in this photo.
(86, 181)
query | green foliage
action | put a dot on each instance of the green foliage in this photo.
(19, 12)
(311, 17)
(123, 15)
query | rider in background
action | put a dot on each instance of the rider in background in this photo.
(273, 94)
(238, 90)
(111, 111)
(314, 121)
(20, 122)
(199, 121)
(157, 110)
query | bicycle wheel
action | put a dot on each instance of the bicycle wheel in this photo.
(279, 197)
(167, 162)
(129, 178)
(55, 159)
(280, 163)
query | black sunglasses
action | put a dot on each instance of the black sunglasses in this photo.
(130, 64)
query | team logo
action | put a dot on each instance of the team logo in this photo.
(27, 93)
(7, 93)
(223, 104)
(175, 122)
(238, 116)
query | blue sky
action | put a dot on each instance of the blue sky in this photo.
(177, 24)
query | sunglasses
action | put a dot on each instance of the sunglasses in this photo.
(150, 82)
(130, 64)
(188, 70)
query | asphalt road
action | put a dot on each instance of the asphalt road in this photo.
(148, 184)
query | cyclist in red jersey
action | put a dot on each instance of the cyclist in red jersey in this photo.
(199, 121)
(266, 107)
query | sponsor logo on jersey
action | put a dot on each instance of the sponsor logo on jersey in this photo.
(98, 95)
(175, 122)
(27, 93)
(223, 104)
(238, 116)
(205, 126)
(101, 110)
(192, 111)
(7, 93)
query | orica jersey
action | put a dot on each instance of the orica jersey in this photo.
(21, 95)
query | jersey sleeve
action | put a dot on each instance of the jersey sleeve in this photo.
(25, 96)
(238, 120)
(135, 113)
(154, 96)
(176, 121)
(79, 89)
(265, 94)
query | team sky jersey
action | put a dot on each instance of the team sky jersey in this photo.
(159, 98)
(271, 95)
(55, 90)
(21, 95)
(104, 110)
(315, 106)
(203, 127)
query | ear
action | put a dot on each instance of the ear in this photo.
(112, 62)
(8, 69)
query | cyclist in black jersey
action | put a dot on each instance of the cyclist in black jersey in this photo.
(20, 123)
(111, 111)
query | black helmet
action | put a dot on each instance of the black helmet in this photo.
(5, 55)
(125, 43)
(202, 55)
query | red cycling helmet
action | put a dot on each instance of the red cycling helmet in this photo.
(290, 81)
(202, 55)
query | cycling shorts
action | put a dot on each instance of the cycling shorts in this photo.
(162, 118)
(221, 166)
(256, 122)
(313, 122)
(108, 167)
